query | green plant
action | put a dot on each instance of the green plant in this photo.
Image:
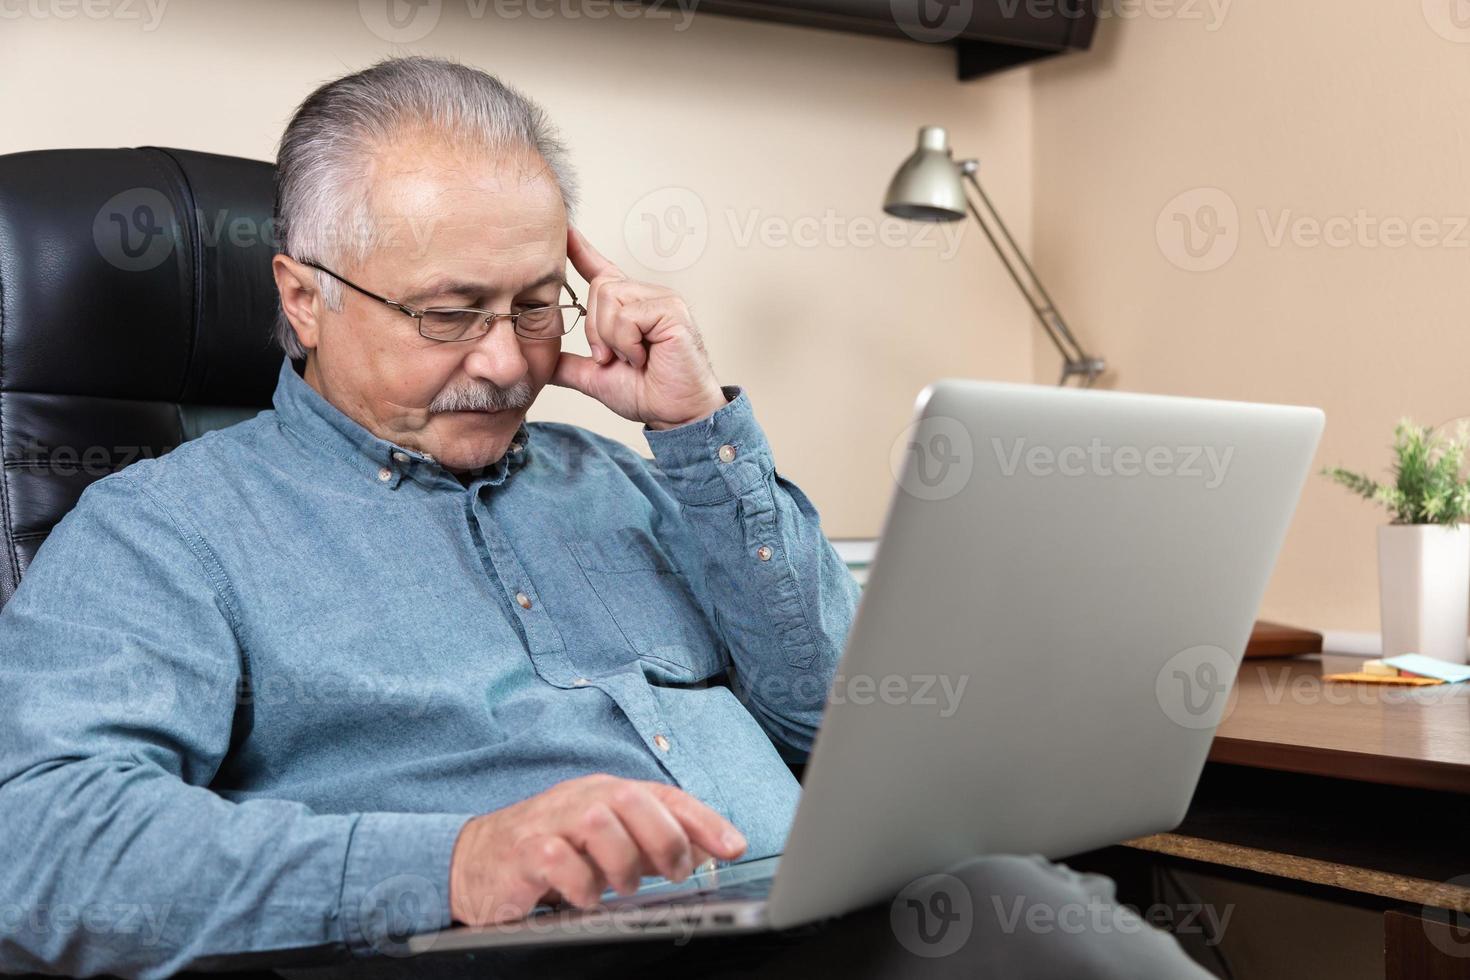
(1427, 487)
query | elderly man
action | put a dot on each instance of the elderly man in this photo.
(388, 657)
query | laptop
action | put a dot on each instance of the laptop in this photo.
(1062, 592)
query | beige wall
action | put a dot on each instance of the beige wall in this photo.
(1298, 113)
(774, 132)
(774, 144)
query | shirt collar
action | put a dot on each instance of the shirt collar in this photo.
(384, 463)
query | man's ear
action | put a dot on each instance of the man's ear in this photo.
(300, 298)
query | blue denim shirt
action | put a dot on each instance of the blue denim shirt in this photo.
(251, 690)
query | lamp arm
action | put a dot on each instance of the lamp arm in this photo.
(1056, 336)
(1075, 359)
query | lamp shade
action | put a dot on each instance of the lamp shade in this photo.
(927, 186)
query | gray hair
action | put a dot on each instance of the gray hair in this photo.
(322, 188)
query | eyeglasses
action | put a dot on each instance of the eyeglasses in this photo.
(448, 324)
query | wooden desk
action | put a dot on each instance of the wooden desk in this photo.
(1284, 716)
(1356, 793)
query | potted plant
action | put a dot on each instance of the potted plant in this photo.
(1424, 554)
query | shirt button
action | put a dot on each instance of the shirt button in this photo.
(727, 453)
(581, 682)
(763, 552)
(385, 474)
(661, 742)
(523, 600)
(400, 457)
(515, 447)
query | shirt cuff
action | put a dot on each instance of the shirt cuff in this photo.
(396, 879)
(717, 458)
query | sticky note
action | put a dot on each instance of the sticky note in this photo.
(1362, 678)
(1416, 663)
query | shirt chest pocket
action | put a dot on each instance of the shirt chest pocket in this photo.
(650, 606)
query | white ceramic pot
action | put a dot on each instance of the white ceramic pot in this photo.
(1424, 589)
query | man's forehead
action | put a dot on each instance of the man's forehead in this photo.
(452, 224)
(436, 177)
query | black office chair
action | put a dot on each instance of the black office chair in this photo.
(136, 304)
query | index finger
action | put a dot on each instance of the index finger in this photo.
(588, 261)
(706, 828)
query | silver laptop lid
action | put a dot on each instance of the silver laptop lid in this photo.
(1064, 586)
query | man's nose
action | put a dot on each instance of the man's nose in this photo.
(497, 356)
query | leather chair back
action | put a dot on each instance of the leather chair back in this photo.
(136, 304)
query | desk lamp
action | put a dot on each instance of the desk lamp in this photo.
(929, 187)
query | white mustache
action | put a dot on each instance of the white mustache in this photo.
(483, 396)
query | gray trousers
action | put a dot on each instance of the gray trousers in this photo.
(1004, 917)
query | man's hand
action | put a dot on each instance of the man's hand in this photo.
(648, 363)
(575, 840)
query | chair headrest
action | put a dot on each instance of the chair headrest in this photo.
(136, 305)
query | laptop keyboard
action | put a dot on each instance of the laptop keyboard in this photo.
(739, 884)
(735, 891)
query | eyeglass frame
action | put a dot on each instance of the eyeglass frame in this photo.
(490, 315)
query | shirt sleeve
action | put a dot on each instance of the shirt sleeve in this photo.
(779, 595)
(118, 686)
